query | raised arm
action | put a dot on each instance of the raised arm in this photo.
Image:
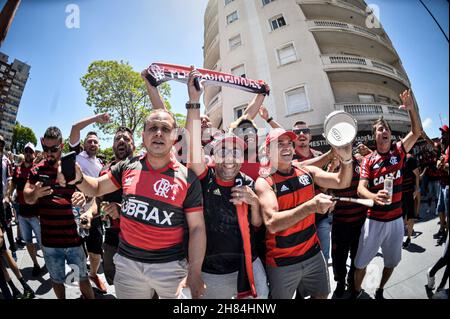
(196, 160)
(74, 137)
(341, 179)
(153, 93)
(264, 113)
(276, 220)
(416, 129)
(252, 109)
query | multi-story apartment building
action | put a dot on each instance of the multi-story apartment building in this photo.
(317, 55)
(13, 78)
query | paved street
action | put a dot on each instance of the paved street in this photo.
(407, 282)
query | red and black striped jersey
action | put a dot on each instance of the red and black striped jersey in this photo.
(19, 178)
(299, 242)
(409, 178)
(58, 226)
(346, 212)
(375, 168)
(154, 205)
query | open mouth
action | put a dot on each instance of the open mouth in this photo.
(158, 143)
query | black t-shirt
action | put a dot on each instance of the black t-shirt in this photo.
(111, 233)
(224, 245)
(409, 178)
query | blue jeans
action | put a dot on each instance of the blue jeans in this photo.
(28, 225)
(442, 204)
(323, 232)
(55, 261)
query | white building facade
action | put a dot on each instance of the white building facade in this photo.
(317, 56)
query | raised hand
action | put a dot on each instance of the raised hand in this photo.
(102, 118)
(263, 112)
(407, 100)
(194, 94)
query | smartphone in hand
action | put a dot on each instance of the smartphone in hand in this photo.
(45, 180)
(68, 166)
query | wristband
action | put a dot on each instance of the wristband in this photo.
(192, 105)
(269, 119)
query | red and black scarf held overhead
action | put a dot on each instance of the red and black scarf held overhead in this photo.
(158, 73)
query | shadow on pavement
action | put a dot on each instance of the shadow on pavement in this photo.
(414, 248)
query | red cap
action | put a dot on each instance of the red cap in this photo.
(228, 139)
(276, 133)
(444, 128)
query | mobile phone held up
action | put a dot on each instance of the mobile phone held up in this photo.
(45, 180)
(68, 166)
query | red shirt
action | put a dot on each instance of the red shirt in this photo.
(375, 168)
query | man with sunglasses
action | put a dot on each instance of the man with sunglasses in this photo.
(91, 165)
(304, 152)
(161, 201)
(59, 235)
(288, 204)
(27, 214)
(231, 267)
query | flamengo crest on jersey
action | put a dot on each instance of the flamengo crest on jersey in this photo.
(163, 186)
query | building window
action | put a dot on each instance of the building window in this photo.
(239, 110)
(232, 17)
(277, 22)
(266, 2)
(296, 100)
(384, 99)
(234, 42)
(366, 98)
(2, 68)
(228, 1)
(286, 54)
(239, 71)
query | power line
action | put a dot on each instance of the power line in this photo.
(431, 14)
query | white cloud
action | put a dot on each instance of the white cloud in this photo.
(427, 123)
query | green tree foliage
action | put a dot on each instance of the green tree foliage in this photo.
(114, 87)
(107, 155)
(21, 136)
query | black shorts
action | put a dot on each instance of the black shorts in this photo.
(408, 208)
(94, 241)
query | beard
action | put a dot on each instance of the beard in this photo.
(51, 161)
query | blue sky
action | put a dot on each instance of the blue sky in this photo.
(145, 31)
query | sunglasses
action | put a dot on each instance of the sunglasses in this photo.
(299, 131)
(52, 149)
(28, 151)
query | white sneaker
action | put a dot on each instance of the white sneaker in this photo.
(430, 280)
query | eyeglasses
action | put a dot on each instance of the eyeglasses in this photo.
(304, 131)
(51, 149)
(223, 152)
(28, 151)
